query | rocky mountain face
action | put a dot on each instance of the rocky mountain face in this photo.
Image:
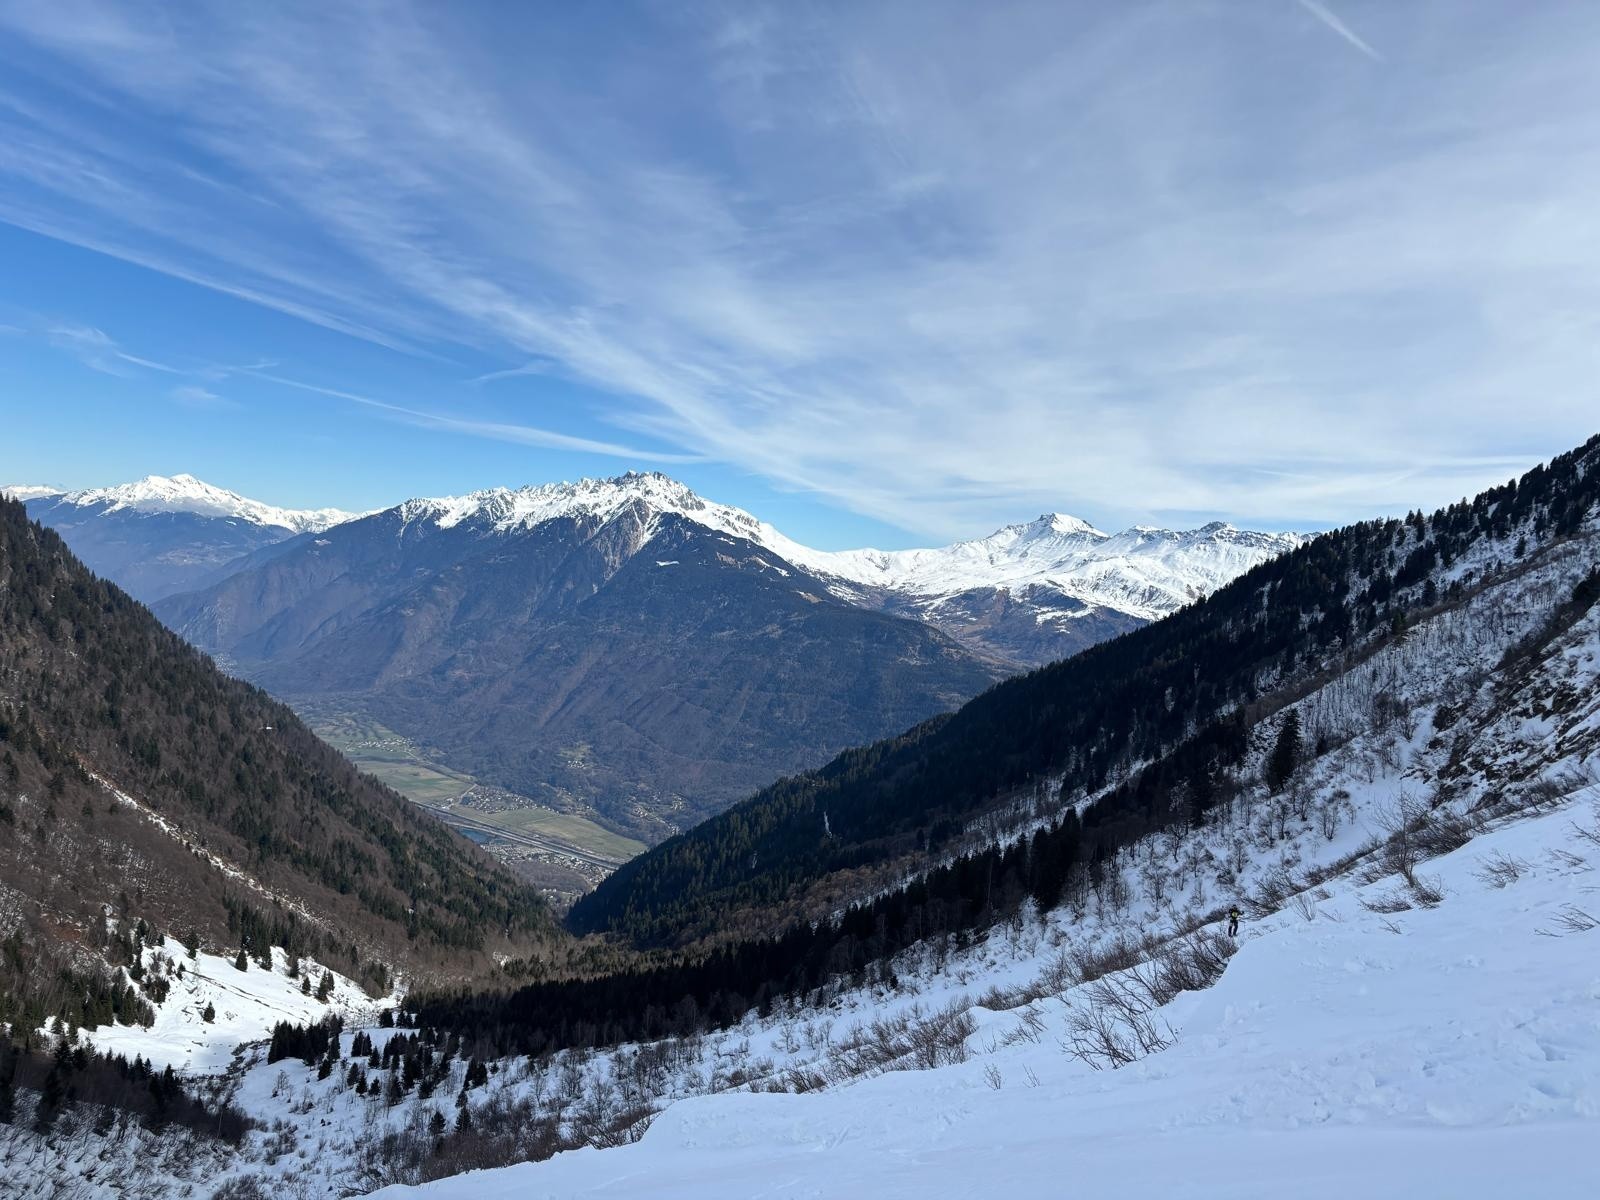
(161, 535)
(621, 646)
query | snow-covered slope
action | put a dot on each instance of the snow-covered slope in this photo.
(1448, 1051)
(244, 1006)
(186, 494)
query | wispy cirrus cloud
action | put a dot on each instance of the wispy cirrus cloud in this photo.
(194, 396)
(99, 351)
(96, 349)
(1324, 14)
(1134, 260)
(500, 431)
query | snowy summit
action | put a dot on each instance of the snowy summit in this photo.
(186, 494)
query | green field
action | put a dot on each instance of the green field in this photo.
(396, 761)
(383, 753)
(568, 827)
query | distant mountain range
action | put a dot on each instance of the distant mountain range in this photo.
(624, 646)
(1041, 591)
(163, 535)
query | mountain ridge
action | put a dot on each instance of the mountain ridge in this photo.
(1068, 583)
(186, 493)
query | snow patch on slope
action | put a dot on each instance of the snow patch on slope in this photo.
(245, 1006)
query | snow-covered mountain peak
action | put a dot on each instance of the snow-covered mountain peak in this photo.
(509, 510)
(1067, 523)
(187, 494)
(29, 491)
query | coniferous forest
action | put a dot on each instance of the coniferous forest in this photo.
(1153, 695)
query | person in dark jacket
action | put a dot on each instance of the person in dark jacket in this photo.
(1233, 921)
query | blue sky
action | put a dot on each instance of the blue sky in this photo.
(881, 273)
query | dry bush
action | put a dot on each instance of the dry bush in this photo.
(1115, 1020)
(1029, 1027)
(1590, 830)
(1429, 892)
(1190, 964)
(1444, 830)
(1574, 920)
(1089, 963)
(1567, 859)
(912, 1040)
(1273, 889)
(1391, 902)
(1500, 869)
(1114, 1024)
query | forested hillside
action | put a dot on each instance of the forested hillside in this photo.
(1180, 694)
(139, 785)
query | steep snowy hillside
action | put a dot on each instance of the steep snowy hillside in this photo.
(160, 535)
(1438, 1051)
(1409, 1011)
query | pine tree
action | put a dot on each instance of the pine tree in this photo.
(325, 988)
(210, 1013)
(1286, 754)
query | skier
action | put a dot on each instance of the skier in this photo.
(1233, 921)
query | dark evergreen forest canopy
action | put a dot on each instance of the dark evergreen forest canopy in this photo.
(1177, 693)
